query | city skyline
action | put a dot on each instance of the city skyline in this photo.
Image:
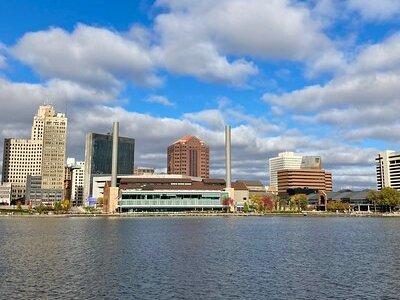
(307, 91)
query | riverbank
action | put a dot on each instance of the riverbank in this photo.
(199, 214)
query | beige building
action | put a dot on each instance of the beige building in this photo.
(189, 156)
(42, 155)
(284, 161)
(388, 169)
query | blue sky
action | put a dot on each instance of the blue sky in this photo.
(315, 77)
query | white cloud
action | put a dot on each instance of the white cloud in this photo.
(375, 9)
(197, 37)
(159, 100)
(359, 103)
(88, 55)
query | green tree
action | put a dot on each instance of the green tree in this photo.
(19, 207)
(57, 206)
(389, 197)
(246, 207)
(40, 208)
(374, 197)
(100, 201)
(283, 202)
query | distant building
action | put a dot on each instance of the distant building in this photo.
(78, 177)
(357, 200)
(284, 161)
(36, 194)
(170, 192)
(143, 171)
(388, 169)
(98, 153)
(41, 155)
(74, 181)
(295, 180)
(311, 162)
(256, 188)
(189, 156)
(5, 193)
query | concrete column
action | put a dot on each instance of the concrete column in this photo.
(228, 156)
(114, 163)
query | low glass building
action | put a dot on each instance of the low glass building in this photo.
(171, 200)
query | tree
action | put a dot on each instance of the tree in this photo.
(100, 201)
(57, 206)
(246, 207)
(40, 208)
(337, 206)
(374, 197)
(19, 207)
(263, 203)
(65, 205)
(389, 197)
(300, 201)
(228, 203)
(283, 202)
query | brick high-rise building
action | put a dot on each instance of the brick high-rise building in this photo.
(189, 156)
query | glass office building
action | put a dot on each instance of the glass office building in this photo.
(98, 155)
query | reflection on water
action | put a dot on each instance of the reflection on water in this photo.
(192, 258)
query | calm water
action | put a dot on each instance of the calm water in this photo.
(193, 258)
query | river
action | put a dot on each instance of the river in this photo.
(200, 258)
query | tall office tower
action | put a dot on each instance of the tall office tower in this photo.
(284, 161)
(98, 154)
(189, 156)
(42, 155)
(54, 149)
(388, 169)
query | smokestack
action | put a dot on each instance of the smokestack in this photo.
(114, 162)
(228, 156)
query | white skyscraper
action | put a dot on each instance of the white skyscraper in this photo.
(284, 161)
(388, 169)
(78, 175)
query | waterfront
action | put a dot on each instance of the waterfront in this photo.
(191, 258)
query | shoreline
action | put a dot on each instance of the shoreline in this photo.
(185, 214)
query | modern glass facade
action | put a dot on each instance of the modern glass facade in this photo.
(102, 153)
(98, 155)
(171, 199)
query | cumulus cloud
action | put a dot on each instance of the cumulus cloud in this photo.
(361, 102)
(375, 10)
(88, 55)
(197, 35)
(159, 100)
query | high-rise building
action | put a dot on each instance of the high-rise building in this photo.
(189, 156)
(54, 149)
(388, 169)
(42, 155)
(98, 153)
(284, 161)
(78, 175)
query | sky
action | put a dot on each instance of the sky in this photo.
(318, 77)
